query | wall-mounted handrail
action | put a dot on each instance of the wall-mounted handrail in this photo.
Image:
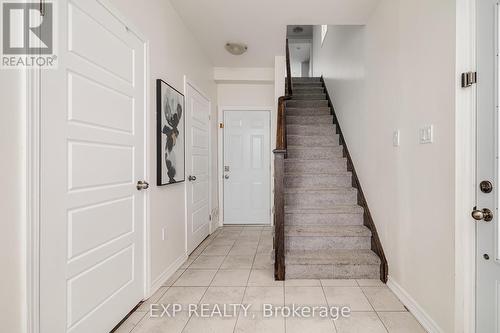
(289, 90)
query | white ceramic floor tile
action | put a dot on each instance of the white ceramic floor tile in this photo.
(263, 261)
(223, 295)
(216, 250)
(240, 249)
(182, 295)
(360, 322)
(400, 322)
(195, 278)
(163, 324)
(171, 280)
(256, 323)
(304, 325)
(304, 296)
(338, 283)
(263, 278)
(256, 297)
(351, 297)
(370, 283)
(238, 262)
(303, 283)
(383, 299)
(210, 325)
(207, 262)
(231, 277)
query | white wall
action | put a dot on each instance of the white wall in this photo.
(399, 73)
(12, 181)
(174, 53)
(245, 94)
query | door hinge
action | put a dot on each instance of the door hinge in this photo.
(468, 79)
(221, 125)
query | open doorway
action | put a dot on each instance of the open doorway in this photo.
(300, 38)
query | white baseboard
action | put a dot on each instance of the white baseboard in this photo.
(416, 310)
(167, 273)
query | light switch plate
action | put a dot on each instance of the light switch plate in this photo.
(395, 138)
(426, 134)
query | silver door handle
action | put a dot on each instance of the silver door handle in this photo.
(142, 185)
(192, 178)
(226, 176)
(485, 214)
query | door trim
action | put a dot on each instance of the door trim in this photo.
(211, 227)
(465, 170)
(220, 154)
(33, 178)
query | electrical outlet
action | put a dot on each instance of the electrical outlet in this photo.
(395, 138)
(426, 134)
(163, 234)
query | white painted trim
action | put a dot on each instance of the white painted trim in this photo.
(147, 174)
(167, 273)
(33, 178)
(416, 310)
(465, 171)
(220, 154)
(187, 82)
(32, 158)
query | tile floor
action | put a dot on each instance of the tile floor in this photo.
(234, 266)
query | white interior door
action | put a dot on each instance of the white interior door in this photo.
(488, 245)
(92, 155)
(247, 181)
(197, 166)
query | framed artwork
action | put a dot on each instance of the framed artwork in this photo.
(170, 134)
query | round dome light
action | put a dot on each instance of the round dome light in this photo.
(236, 48)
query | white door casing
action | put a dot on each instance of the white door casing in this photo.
(246, 167)
(487, 244)
(92, 155)
(197, 167)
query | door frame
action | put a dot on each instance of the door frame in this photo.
(220, 154)
(465, 170)
(32, 159)
(211, 227)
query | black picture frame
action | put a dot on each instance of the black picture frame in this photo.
(170, 135)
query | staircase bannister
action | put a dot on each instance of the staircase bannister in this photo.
(280, 154)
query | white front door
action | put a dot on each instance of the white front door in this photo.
(247, 181)
(92, 155)
(488, 240)
(197, 167)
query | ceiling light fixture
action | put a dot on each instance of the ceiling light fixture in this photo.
(236, 48)
(298, 30)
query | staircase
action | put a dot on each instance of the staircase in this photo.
(324, 232)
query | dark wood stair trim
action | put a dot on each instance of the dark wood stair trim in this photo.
(376, 245)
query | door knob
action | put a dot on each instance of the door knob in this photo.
(484, 214)
(142, 185)
(192, 178)
(226, 176)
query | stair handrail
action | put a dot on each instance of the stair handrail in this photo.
(288, 71)
(280, 154)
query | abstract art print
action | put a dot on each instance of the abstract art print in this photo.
(170, 134)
